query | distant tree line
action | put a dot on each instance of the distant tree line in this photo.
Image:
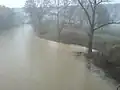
(6, 18)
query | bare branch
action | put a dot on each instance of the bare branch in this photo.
(106, 25)
(86, 12)
(59, 11)
(99, 2)
(91, 5)
(87, 7)
(64, 7)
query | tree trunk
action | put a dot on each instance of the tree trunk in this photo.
(90, 43)
(59, 36)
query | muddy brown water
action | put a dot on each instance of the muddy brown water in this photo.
(30, 63)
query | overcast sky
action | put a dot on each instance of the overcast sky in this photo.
(117, 1)
(20, 3)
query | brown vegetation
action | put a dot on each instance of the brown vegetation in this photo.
(109, 62)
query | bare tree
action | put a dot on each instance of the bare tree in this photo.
(90, 7)
(61, 8)
(37, 9)
(58, 18)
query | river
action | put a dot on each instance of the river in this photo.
(30, 63)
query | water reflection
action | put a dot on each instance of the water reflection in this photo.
(30, 63)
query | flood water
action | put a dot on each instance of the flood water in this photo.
(30, 63)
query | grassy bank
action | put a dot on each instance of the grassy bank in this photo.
(103, 40)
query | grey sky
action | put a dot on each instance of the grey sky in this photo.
(20, 3)
(118, 1)
(12, 3)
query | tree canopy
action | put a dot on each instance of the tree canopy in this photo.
(37, 10)
(6, 17)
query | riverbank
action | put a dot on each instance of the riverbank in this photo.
(76, 38)
(102, 41)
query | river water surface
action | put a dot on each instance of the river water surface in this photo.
(30, 63)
